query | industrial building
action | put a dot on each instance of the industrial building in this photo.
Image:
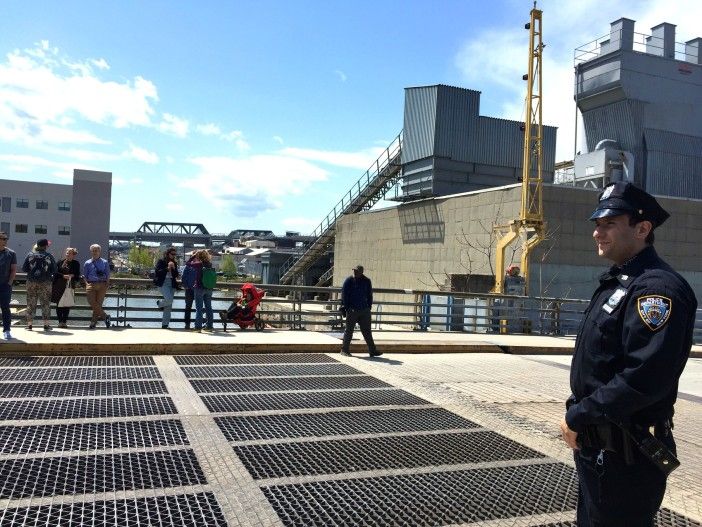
(641, 103)
(448, 147)
(76, 215)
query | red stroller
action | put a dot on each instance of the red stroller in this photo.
(243, 312)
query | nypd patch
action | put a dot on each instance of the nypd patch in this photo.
(654, 310)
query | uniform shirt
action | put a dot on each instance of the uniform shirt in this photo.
(632, 345)
(8, 258)
(96, 270)
(357, 293)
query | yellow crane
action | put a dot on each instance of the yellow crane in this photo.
(530, 226)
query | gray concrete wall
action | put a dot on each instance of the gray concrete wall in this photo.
(52, 218)
(416, 245)
(92, 193)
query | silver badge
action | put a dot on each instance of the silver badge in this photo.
(613, 301)
(607, 192)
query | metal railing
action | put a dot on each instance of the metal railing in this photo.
(316, 308)
(640, 42)
(366, 192)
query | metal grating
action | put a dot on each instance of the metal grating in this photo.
(78, 374)
(378, 453)
(289, 370)
(91, 436)
(81, 389)
(274, 358)
(438, 498)
(182, 510)
(278, 384)
(287, 401)
(98, 360)
(664, 518)
(245, 428)
(85, 408)
(52, 476)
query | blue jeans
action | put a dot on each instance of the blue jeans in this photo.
(203, 295)
(5, 296)
(167, 303)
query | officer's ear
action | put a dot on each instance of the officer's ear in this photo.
(642, 229)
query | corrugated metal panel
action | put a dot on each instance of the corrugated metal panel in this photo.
(674, 175)
(419, 123)
(662, 141)
(500, 142)
(456, 122)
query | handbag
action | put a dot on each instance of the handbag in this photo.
(67, 298)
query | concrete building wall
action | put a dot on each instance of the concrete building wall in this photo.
(92, 194)
(418, 245)
(50, 222)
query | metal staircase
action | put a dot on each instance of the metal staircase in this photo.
(366, 192)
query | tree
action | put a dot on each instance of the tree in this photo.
(228, 266)
(140, 257)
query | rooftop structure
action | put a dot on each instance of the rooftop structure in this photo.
(643, 94)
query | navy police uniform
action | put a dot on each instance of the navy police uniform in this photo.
(630, 351)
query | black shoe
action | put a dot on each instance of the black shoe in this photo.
(375, 353)
(92, 325)
(108, 321)
(164, 326)
(344, 353)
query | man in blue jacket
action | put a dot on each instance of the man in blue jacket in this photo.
(356, 303)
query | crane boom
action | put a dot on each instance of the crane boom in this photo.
(530, 225)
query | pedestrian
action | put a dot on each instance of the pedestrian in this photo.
(40, 267)
(356, 304)
(165, 276)
(97, 279)
(8, 269)
(203, 295)
(66, 276)
(630, 351)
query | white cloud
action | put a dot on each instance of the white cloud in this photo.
(43, 92)
(342, 76)
(495, 59)
(28, 163)
(278, 140)
(208, 129)
(174, 125)
(360, 160)
(177, 207)
(141, 154)
(254, 184)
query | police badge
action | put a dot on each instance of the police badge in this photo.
(654, 310)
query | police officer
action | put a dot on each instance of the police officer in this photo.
(630, 351)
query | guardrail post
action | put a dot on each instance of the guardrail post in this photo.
(122, 299)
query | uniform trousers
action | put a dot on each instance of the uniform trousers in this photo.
(614, 494)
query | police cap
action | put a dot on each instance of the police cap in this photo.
(624, 198)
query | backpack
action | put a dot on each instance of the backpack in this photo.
(40, 268)
(188, 277)
(209, 278)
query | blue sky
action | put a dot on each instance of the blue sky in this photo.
(263, 113)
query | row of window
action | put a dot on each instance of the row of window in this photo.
(41, 204)
(23, 228)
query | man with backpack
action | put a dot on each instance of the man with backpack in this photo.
(40, 267)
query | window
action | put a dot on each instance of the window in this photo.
(7, 204)
(40, 229)
(5, 227)
(64, 205)
(21, 227)
(41, 204)
(22, 203)
(64, 230)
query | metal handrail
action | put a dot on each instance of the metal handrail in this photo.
(350, 201)
(642, 43)
(463, 312)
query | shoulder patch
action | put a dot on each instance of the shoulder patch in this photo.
(654, 310)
